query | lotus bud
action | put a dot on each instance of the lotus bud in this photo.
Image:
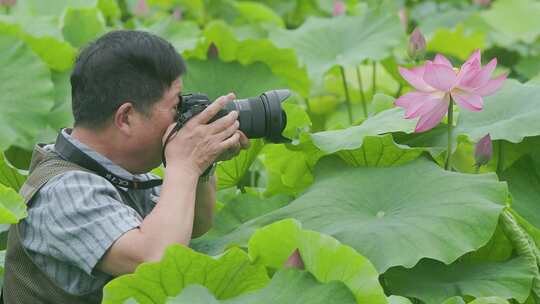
(403, 18)
(212, 51)
(339, 8)
(177, 14)
(483, 151)
(8, 2)
(141, 9)
(484, 3)
(417, 45)
(294, 261)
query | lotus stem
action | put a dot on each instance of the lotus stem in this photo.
(500, 159)
(347, 97)
(361, 87)
(374, 76)
(447, 164)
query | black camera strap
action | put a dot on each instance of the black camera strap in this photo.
(71, 153)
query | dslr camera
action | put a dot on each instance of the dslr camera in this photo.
(259, 117)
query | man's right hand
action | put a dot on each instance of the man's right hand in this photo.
(198, 144)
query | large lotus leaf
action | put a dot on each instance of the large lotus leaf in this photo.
(432, 16)
(12, 207)
(511, 114)
(433, 282)
(529, 66)
(398, 300)
(322, 43)
(284, 176)
(485, 300)
(82, 25)
(506, 17)
(290, 286)
(417, 209)
(182, 35)
(323, 256)
(524, 185)
(10, 176)
(217, 78)
(232, 171)
(43, 36)
(352, 138)
(227, 276)
(51, 7)
(23, 111)
(282, 62)
(379, 151)
(255, 13)
(456, 42)
(243, 208)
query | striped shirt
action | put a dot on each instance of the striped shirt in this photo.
(76, 217)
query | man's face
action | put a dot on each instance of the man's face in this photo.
(151, 128)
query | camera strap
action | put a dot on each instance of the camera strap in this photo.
(70, 152)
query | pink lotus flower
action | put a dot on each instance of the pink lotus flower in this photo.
(141, 9)
(437, 81)
(483, 151)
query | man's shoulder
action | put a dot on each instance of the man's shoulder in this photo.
(77, 181)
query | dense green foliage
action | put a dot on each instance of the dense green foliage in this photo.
(363, 199)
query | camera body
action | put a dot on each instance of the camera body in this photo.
(259, 117)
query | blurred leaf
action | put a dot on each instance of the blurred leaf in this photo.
(433, 282)
(506, 17)
(12, 207)
(82, 25)
(28, 108)
(456, 42)
(182, 35)
(255, 13)
(10, 176)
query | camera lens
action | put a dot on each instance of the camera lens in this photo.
(262, 116)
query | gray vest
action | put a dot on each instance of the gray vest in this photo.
(24, 282)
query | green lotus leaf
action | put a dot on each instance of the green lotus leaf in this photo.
(255, 13)
(182, 35)
(12, 207)
(323, 256)
(243, 208)
(398, 300)
(456, 42)
(217, 78)
(232, 171)
(489, 300)
(289, 286)
(433, 282)
(379, 151)
(510, 114)
(432, 16)
(82, 25)
(10, 176)
(352, 138)
(506, 18)
(529, 66)
(417, 209)
(322, 43)
(227, 276)
(284, 176)
(50, 8)
(524, 185)
(44, 38)
(25, 110)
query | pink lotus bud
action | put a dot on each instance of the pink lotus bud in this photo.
(294, 260)
(212, 51)
(403, 18)
(8, 2)
(177, 14)
(339, 8)
(417, 45)
(483, 151)
(484, 3)
(141, 9)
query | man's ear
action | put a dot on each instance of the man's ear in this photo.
(124, 118)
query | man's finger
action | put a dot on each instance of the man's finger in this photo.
(214, 108)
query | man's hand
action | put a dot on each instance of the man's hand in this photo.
(243, 144)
